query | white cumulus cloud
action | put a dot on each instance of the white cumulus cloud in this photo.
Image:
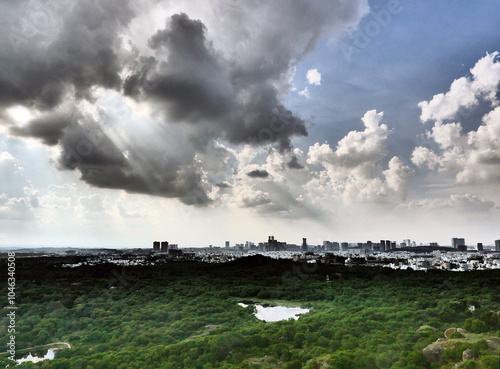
(313, 77)
(472, 157)
(464, 92)
(305, 93)
(354, 169)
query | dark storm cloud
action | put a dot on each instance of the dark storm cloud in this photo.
(57, 53)
(294, 163)
(198, 85)
(258, 174)
(84, 53)
(223, 185)
(65, 52)
(49, 127)
(137, 165)
(191, 84)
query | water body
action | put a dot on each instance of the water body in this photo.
(276, 313)
(35, 359)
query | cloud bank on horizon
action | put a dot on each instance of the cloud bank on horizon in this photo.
(185, 100)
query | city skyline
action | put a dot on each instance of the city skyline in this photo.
(123, 122)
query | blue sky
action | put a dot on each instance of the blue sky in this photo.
(169, 105)
(417, 55)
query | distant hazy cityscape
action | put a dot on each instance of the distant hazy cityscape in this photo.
(385, 253)
(272, 244)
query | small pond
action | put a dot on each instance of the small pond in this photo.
(35, 359)
(276, 313)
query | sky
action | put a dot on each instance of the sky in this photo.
(195, 122)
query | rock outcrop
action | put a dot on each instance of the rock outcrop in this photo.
(435, 350)
(433, 353)
(467, 355)
(426, 328)
(450, 331)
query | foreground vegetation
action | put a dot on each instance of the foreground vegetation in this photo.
(185, 315)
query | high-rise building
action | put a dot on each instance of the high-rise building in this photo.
(479, 247)
(227, 244)
(345, 246)
(331, 246)
(305, 248)
(381, 246)
(164, 246)
(273, 245)
(497, 245)
(455, 242)
(385, 245)
(156, 246)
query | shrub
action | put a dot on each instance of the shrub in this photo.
(456, 335)
(479, 348)
(468, 364)
(475, 326)
(489, 362)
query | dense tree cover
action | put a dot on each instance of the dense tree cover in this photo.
(185, 315)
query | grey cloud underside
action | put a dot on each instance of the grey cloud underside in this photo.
(224, 185)
(197, 85)
(213, 94)
(82, 55)
(258, 174)
(103, 164)
(294, 163)
(49, 128)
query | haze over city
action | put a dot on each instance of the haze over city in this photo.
(124, 122)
